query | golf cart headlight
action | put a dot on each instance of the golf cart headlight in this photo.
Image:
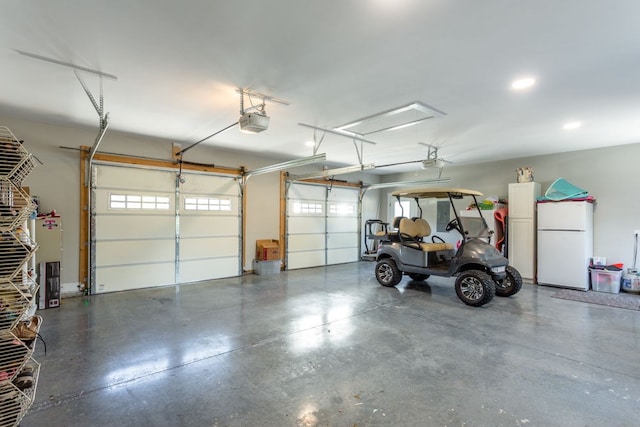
(498, 269)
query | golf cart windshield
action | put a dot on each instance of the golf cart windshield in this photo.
(475, 227)
(471, 226)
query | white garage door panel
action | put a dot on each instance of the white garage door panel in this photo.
(343, 194)
(134, 227)
(298, 224)
(135, 252)
(341, 256)
(342, 240)
(207, 184)
(306, 242)
(132, 178)
(209, 226)
(305, 259)
(342, 225)
(307, 192)
(123, 278)
(197, 270)
(208, 247)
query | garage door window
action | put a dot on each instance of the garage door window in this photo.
(138, 201)
(207, 204)
(307, 208)
(341, 209)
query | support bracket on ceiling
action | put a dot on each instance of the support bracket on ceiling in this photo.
(352, 136)
(103, 118)
(360, 151)
(316, 143)
(98, 105)
(263, 98)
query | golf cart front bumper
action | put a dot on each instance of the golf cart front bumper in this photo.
(499, 273)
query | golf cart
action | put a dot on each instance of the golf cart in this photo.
(410, 248)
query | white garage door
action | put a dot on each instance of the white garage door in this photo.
(322, 225)
(142, 240)
(209, 228)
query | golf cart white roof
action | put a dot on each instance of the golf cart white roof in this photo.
(434, 192)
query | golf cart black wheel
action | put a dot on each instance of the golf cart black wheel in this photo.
(475, 288)
(419, 277)
(511, 284)
(387, 273)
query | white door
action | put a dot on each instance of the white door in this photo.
(134, 228)
(209, 228)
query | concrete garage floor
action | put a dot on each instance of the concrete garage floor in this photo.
(330, 347)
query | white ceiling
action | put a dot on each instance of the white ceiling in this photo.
(179, 63)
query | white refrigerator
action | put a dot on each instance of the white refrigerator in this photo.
(565, 243)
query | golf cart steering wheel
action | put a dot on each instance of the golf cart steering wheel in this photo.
(434, 237)
(453, 225)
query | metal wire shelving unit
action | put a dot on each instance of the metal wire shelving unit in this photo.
(19, 372)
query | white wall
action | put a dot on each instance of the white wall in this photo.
(611, 175)
(57, 182)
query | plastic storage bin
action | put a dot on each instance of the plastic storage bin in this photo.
(606, 281)
(262, 268)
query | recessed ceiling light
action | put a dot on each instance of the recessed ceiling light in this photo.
(521, 84)
(310, 143)
(571, 125)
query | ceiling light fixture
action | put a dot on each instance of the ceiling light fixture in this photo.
(572, 125)
(522, 84)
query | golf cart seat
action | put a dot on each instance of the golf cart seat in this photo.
(376, 229)
(414, 231)
(393, 235)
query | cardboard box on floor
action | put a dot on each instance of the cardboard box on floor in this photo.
(267, 250)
